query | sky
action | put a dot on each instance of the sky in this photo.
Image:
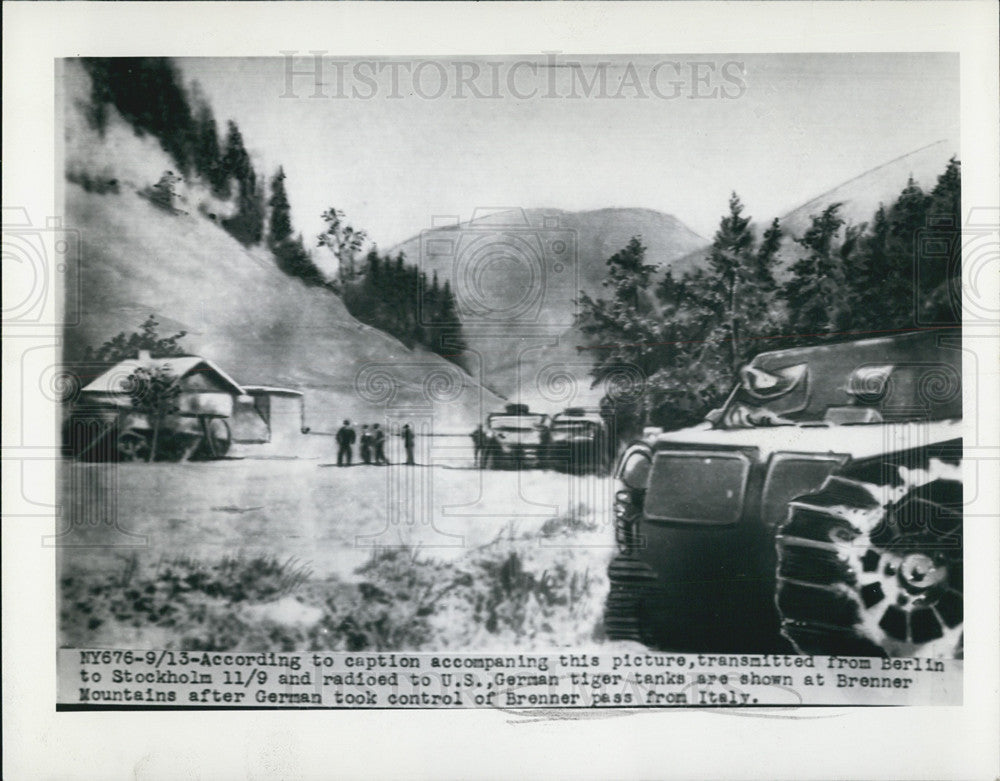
(396, 143)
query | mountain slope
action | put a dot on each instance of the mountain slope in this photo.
(859, 198)
(259, 325)
(591, 238)
(517, 275)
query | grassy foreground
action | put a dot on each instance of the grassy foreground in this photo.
(524, 590)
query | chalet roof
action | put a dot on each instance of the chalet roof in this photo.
(267, 390)
(114, 379)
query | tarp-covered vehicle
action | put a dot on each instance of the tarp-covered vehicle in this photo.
(104, 425)
(516, 438)
(819, 510)
(578, 441)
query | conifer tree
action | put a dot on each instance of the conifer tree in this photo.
(280, 224)
(817, 293)
(939, 251)
(731, 262)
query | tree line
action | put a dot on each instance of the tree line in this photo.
(399, 299)
(384, 291)
(689, 334)
(149, 93)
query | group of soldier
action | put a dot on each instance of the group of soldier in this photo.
(371, 444)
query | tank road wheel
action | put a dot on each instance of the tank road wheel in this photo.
(630, 580)
(133, 445)
(870, 576)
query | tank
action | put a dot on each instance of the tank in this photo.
(819, 510)
(516, 438)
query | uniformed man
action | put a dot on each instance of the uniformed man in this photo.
(345, 441)
(478, 445)
(365, 445)
(378, 440)
(407, 435)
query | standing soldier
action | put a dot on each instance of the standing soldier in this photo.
(345, 440)
(478, 444)
(378, 439)
(407, 435)
(366, 444)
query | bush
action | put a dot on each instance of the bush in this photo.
(511, 593)
(100, 185)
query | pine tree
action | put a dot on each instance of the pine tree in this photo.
(731, 261)
(247, 225)
(939, 248)
(818, 292)
(207, 153)
(455, 344)
(767, 257)
(907, 218)
(280, 223)
(235, 160)
(624, 329)
(867, 271)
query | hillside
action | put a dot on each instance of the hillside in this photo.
(260, 325)
(517, 274)
(860, 198)
(481, 244)
(862, 195)
(525, 366)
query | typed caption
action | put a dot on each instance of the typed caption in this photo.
(110, 679)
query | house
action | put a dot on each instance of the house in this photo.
(244, 421)
(105, 423)
(206, 390)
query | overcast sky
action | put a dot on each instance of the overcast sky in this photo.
(395, 142)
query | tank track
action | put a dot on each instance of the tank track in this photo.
(630, 581)
(871, 570)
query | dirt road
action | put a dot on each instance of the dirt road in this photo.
(332, 521)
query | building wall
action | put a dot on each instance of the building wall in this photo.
(282, 438)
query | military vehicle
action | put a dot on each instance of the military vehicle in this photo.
(102, 423)
(515, 438)
(578, 441)
(819, 510)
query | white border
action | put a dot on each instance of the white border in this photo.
(901, 743)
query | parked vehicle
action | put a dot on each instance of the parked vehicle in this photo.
(516, 438)
(103, 425)
(578, 441)
(820, 509)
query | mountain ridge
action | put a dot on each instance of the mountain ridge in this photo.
(238, 308)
